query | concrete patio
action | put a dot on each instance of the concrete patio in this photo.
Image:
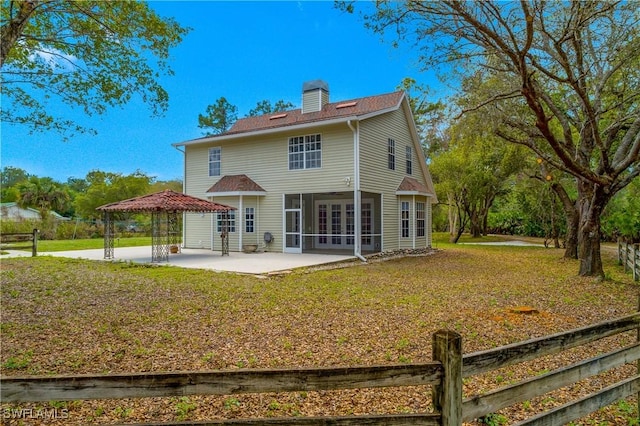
(247, 263)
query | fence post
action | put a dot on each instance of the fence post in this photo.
(447, 396)
(619, 250)
(34, 246)
(625, 259)
(634, 262)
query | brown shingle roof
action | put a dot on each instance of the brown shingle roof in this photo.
(348, 108)
(412, 185)
(235, 183)
(166, 200)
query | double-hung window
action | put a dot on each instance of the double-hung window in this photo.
(215, 161)
(249, 219)
(404, 219)
(409, 162)
(391, 150)
(231, 221)
(305, 152)
(420, 219)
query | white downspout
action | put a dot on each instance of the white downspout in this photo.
(412, 227)
(184, 191)
(240, 220)
(357, 196)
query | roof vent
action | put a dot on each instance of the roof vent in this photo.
(275, 117)
(346, 105)
(315, 95)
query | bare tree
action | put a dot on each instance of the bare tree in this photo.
(575, 69)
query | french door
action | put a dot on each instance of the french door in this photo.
(335, 224)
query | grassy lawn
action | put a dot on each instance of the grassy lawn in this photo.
(440, 239)
(67, 316)
(90, 243)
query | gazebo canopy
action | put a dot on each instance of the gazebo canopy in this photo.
(164, 207)
(166, 201)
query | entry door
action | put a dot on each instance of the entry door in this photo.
(292, 225)
(335, 224)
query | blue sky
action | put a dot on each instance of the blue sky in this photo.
(244, 51)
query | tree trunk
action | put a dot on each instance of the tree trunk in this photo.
(571, 237)
(12, 30)
(488, 202)
(455, 237)
(476, 226)
(591, 201)
(463, 218)
(485, 225)
(555, 233)
(589, 250)
(453, 216)
(572, 218)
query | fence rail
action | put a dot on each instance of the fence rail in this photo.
(444, 374)
(13, 241)
(629, 257)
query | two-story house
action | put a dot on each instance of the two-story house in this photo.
(346, 177)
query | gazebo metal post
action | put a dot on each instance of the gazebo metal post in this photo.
(159, 237)
(174, 229)
(109, 235)
(225, 233)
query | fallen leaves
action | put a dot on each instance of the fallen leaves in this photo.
(74, 317)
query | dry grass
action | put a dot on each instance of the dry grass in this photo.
(62, 316)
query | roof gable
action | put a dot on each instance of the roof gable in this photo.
(235, 184)
(411, 185)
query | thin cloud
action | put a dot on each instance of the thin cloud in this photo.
(55, 58)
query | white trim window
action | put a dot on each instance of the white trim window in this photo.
(231, 221)
(420, 219)
(409, 156)
(215, 161)
(305, 152)
(249, 219)
(404, 219)
(367, 223)
(391, 152)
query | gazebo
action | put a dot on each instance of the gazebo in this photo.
(164, 207)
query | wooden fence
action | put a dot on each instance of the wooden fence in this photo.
(20, 241)
(629, 257)
(444, 374)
